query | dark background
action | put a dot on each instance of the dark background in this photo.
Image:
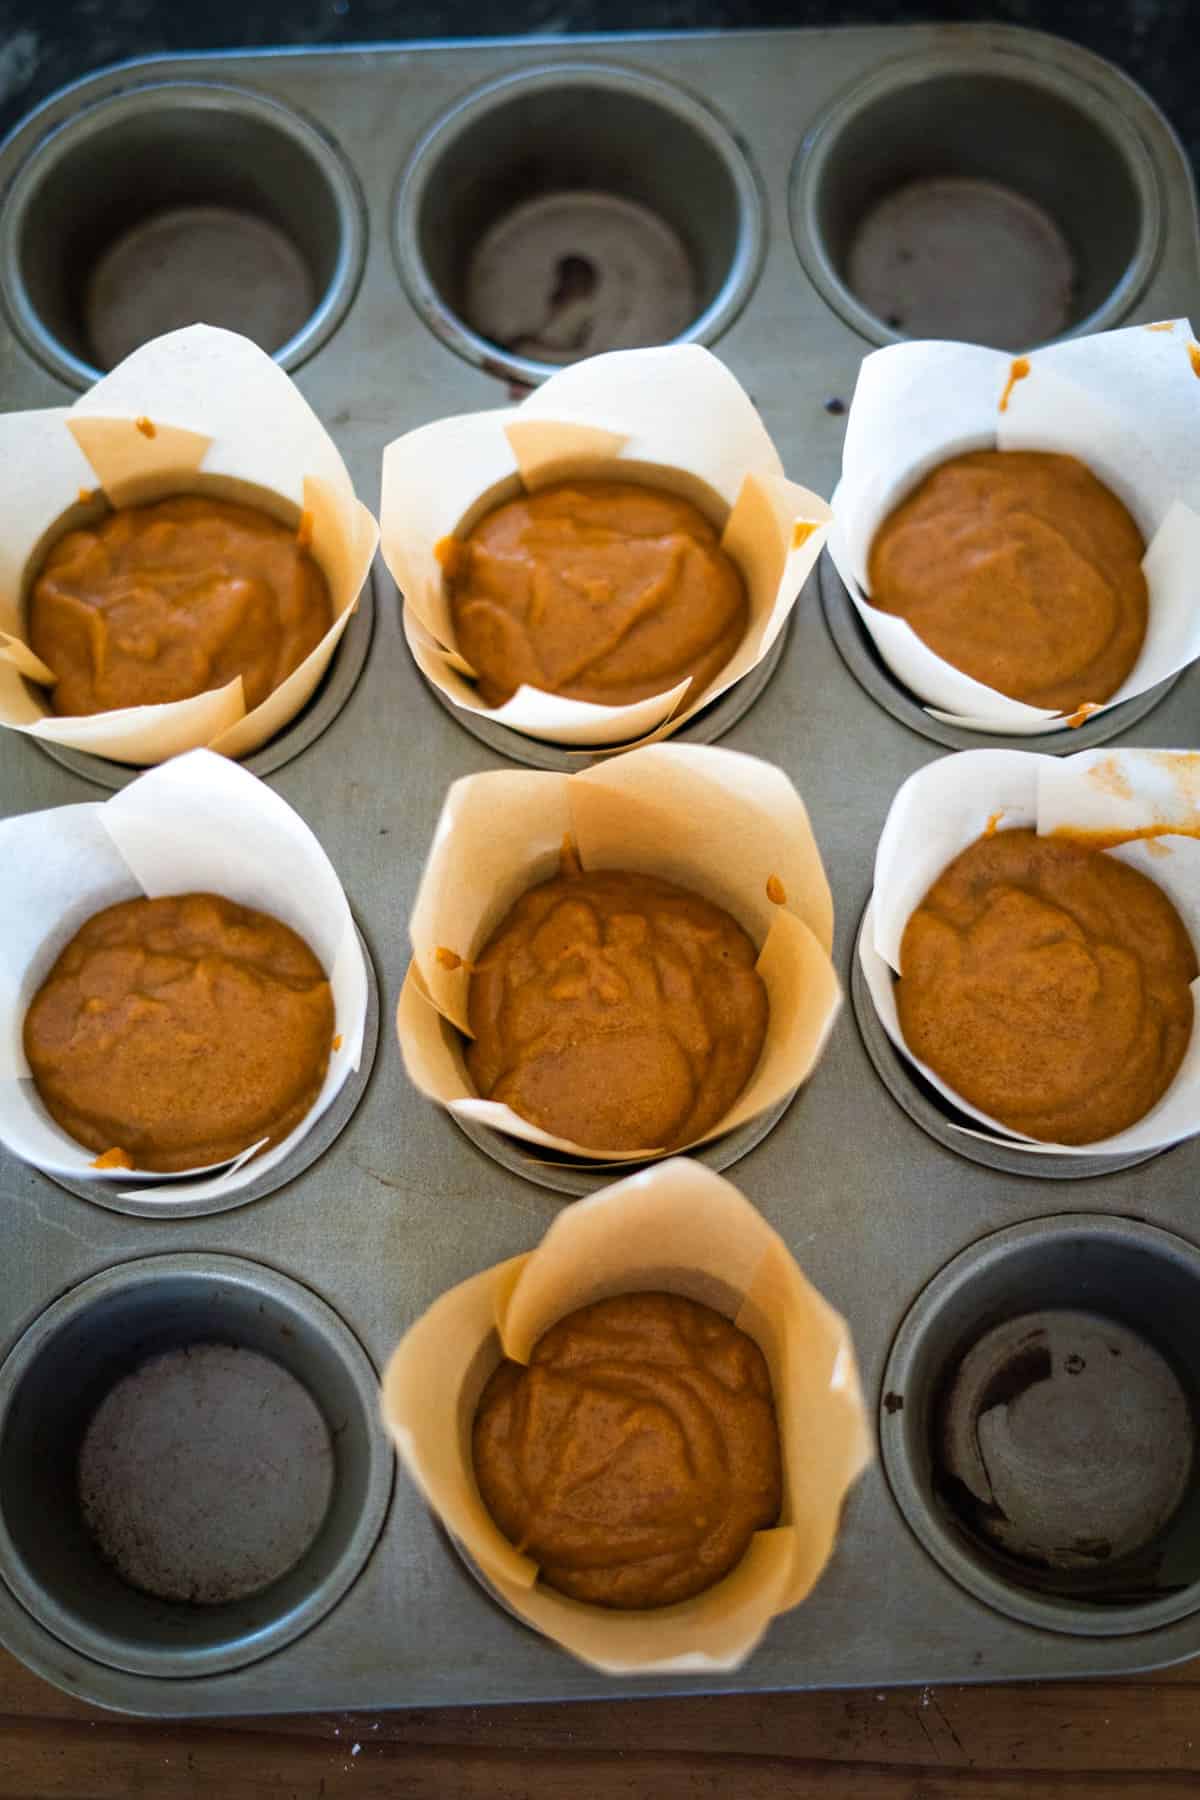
(44, 43)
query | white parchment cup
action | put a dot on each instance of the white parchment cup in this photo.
(677, 1228)
(198, 824)
(1126, 403)
(672, 418)
(199, 411)
(950, 803)
(714, 821)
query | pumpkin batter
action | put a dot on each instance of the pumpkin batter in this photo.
(1048, 984)
(1021, 569)
(616, 1010)
(180, 1031)
(637, 1455)
(597, 590)
(161, 602)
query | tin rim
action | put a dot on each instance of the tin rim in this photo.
(322, 1330)
(570, 1175)
(856, 649)
(709, 724)
(74, 136)
(694, 114)
(907, 1481)
(329, 1126)
(820, 146)
(318, 713)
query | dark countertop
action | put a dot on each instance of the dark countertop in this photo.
(46, 43)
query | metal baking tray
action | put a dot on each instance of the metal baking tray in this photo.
(763, 146)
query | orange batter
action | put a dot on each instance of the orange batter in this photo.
(180, 1031)
(616, 1010)
(1020, 569)
(1048, 984)
(162, 602)
(598, 590)
(637, 1455)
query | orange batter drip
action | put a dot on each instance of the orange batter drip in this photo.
(616, 1010)
(116, 1158)
(1018, 371)
(1020, 569)
(637, 1455)
(182, 1030)
(1048, 984)
(161, 602)
(598, 590)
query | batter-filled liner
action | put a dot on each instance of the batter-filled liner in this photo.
(1139, 806)
(201, 412)
(681, 1229)
(1122, 402)
(200, 824)
(672, 418)
(722, 825)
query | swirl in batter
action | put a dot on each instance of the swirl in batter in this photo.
(616, 1010)
(637, 1454)
(180, 1031)
(597, 590)
(1049, 985)
(161, 602)
(1021, 569)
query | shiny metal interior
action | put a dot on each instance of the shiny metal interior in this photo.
(61, 1369)
(135, 157)
(583, 128)
(1042, 135)
(1146, 1280)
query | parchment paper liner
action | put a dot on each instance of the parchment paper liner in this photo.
(948, 804)
(227, 422)
(199, 824)
(1126, 403)
(711, 820)
(676, 1227)
(672, 418)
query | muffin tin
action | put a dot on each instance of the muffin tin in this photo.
(757, 159)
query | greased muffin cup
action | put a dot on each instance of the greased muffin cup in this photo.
(672, 418)
(719, 823)
(1122, 402)
(199, 411)
(199, 824)
(1149, 798)
(677, 1228)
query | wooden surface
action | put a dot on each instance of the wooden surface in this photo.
(1131, 1739)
